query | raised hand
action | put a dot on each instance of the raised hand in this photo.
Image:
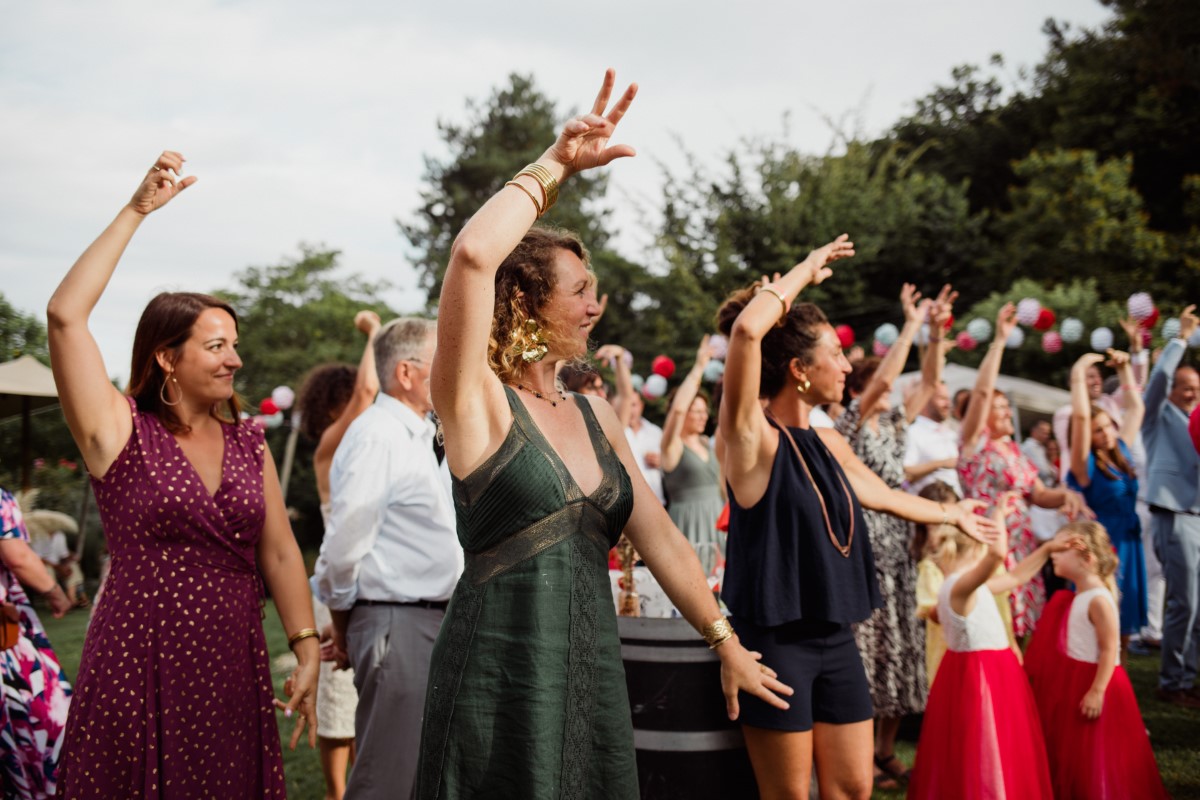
(943, 307)
(704, 352)
(1187, 322)
(1117, 359)
(818, 260)
(977, 527)
(583, 143)
(1006, 320)
(161, 184)
(915, 309)
(1086, 360)
(367, 321)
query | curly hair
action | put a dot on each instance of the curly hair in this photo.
(525, 283)
(794, 336)
(1099, 547)
(323, 394)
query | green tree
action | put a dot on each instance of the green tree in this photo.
(21, 334)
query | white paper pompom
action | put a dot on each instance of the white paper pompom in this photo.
(923, 335)
(980, 329)
(1170, 328)
(283, 397)
(1102, 339)
(719, 346)
(1140, 306)
(1071, 330)
(1194, 339)
(886, 334)
(713, 370)
(1015, 339)
(655, 386)
(1028, 310)
(638, 381)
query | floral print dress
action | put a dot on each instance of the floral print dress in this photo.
(997, 467)
(33, 714)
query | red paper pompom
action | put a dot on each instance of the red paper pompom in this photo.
(267, 407)
(845, 336)
(1045, 320)
(965, 341)
(662, 365)
(1150, 321)
(1052, 342)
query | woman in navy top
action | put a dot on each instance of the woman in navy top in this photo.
(799, 567)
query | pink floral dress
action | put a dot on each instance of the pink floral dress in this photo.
(33, 714)
(997, 467)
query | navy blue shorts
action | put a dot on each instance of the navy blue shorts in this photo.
(821, 662)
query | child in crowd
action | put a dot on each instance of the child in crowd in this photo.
(981, 736)
(1094, 733)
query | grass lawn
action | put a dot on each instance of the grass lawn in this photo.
(1174, 732)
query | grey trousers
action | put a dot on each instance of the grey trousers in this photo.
(1177, 540)
(389, 648)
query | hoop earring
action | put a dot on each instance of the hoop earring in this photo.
(162, 390)
(804, 387)
(529, 343)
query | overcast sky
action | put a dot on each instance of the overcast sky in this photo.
(308, 121)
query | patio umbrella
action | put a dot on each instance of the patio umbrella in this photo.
(25, 384)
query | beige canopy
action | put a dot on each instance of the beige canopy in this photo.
(25, 384)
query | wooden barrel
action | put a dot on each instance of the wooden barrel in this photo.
(687, 749)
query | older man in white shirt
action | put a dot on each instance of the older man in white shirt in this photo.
(390, 560)
(931, 452)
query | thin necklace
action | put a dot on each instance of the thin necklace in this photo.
(541, 396)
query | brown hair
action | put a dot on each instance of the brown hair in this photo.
(166, 323)
(323, 394)
(577, 375)
(525, 282)
(1099, 546)
(861, 374)
(924, 543)
(794, 336)
(1112, 462)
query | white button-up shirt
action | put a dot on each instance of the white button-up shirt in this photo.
(647, 439)
(391, 531)
(931, 441)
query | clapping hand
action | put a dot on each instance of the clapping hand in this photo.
(161, 184)
(583, 143)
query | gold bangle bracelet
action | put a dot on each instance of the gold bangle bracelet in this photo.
(306, 633)
(717, 632)
(546, 180)
(780, 295)
(537, 208)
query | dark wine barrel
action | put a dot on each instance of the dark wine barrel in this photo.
(687, 749)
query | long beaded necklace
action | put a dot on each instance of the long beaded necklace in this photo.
(541, 396)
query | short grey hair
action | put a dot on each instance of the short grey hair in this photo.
(401, 339)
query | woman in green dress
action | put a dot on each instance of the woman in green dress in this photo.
(526, 690)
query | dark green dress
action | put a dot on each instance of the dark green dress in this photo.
(527, 694)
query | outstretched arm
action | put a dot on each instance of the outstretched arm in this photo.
(985, 381)
(1159, 383)
(614, 356)
(935, 353)
(893, 363)
(366, 386)
(672, 438)
(1081, 418)
(468, 397)
(96, 413)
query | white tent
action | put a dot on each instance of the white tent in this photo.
(1026, 396)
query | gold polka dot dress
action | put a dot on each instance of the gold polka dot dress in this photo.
(174, 693)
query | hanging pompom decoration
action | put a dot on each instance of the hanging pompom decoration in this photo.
(1150, 321)
(1146, 337)
(845, 336)
(1015, 339)
(879, 348)
(637, 381)
(1071, 330)
(664, 366)
(283, 397)
(923, 335)
(1045, 320)
(713, 370)
(655, 386)
(1140, 305)
(965, 341)
(1170, 328)
(1051, 342)
(980, 329)
(1028, 310)
(1102, 339)
(272, 420)
(886, 334)
(268, 407)
(719, 346)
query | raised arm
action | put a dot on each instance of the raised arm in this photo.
(935, 353)
(1027, 568)
(672, 438)
(1134, 409)
(96, 412)
(743, 425)
(366, 386)
(469, 399)
(962, 594)
(985, 381)
(614, 356)
(1081, 418)
(1159, 382)
(893, 363)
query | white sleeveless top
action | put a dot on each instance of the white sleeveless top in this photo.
(982, 629)
(1082, 644)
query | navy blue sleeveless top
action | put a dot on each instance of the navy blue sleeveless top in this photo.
(779, 563)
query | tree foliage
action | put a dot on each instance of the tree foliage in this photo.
(21, 334)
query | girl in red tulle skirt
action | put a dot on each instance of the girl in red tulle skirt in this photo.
(981, 737)
(1095, 737)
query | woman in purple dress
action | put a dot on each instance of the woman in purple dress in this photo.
(36, 695)
(174, 693)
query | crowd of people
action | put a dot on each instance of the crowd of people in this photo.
(885, 550)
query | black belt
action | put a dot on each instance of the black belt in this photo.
(1173, 511)
(435, 605)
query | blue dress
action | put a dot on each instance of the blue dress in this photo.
(1114, 500)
